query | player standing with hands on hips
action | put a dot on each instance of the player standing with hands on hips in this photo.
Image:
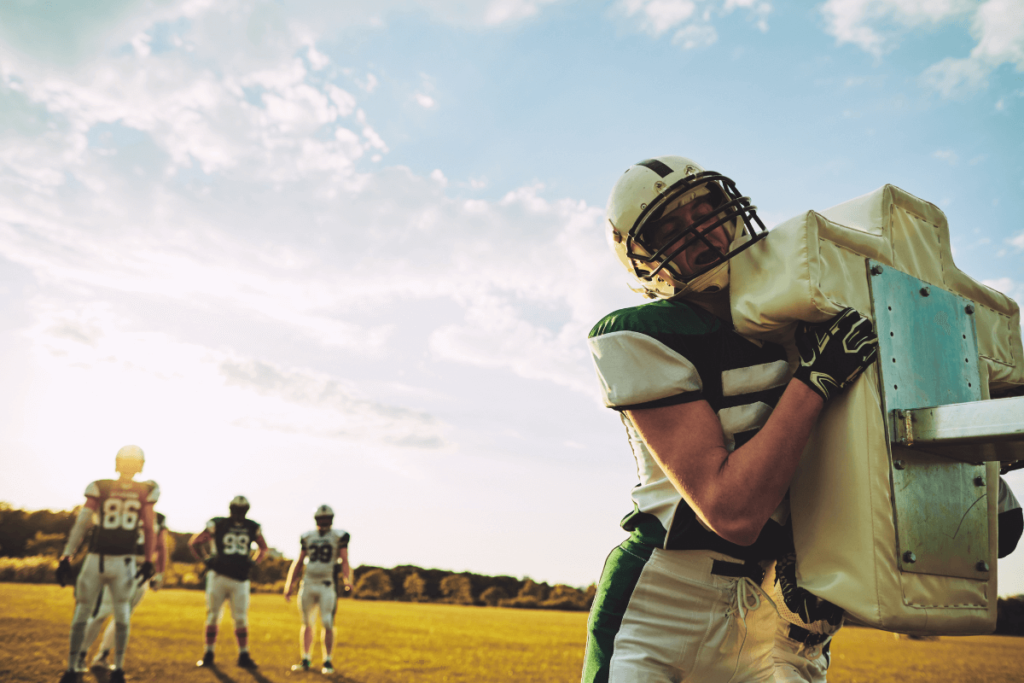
(227, 577)
(115, 510)
(325, 553)
(717, 426)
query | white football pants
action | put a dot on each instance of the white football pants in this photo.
(684, 623)
(220, 588)
(317, 592)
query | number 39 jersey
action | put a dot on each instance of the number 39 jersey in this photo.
(322, 551)
(117, 518)
(232, 540)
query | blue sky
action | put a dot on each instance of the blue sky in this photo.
(349, 252)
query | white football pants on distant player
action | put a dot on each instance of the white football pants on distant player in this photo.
(104, 609)
(314, 592)
(220, 588)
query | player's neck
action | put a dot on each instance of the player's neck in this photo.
(717, 304)
(125, 477)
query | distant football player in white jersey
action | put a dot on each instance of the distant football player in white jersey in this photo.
(324, 552)
(105, 604)
(115, 510)
(225, 547)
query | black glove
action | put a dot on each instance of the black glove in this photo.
(64, 572)
(145, 572)
(834, 353)
(801, 602)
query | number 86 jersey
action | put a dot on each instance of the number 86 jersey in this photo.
(116, 519)
(322, 550)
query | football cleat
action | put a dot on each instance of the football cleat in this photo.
(328, 669)
(301, 666)
(245, 661)
(207, 659)
(116, 676)
(69, 677)
(80, 666)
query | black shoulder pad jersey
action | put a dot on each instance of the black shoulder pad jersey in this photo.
(670, 352)
(233, 541)
(118, 515)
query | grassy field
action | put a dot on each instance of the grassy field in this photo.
(388, 642)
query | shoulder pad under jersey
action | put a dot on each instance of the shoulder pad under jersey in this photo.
(154, 492)
(95, 489)
(343, 538)
(211, 526)
(658, 318)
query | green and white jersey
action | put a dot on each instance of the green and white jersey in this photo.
(322, 551)
(670, 352)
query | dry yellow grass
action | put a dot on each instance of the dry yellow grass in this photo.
(388, 642)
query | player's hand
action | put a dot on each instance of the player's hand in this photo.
(835, 352)
(145, 572)
(801, 602)
(64, 571)
(157, 582)
(287, 596)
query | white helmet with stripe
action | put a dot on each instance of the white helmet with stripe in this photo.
(651, 189)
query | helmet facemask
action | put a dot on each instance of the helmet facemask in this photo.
(652, 252)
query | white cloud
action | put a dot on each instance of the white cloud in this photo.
(425, 101)
(998, 26)
(947, 155)
(502, 11)
(876, 25)
(695, 36)
(691, 29)
(869, 23)
(1017, 241)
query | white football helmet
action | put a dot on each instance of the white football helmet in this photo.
(129, 460)
(238, 507)
(324, 516)
(649, 190)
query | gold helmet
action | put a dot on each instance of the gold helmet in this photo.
(651, 189)
(129, 460)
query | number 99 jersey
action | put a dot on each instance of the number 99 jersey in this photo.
(232, 540)
(322, 550)
(116, 519)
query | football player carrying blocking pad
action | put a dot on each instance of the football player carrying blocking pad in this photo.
(324, 551)
(104, 606)
(227, 577)
(115, 510)
(717, 427)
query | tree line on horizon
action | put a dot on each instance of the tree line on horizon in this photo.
(31, 542)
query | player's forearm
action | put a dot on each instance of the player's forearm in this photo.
(733, 493)
(754, 478)
(289, 581)
(161, 552)
(82, 524)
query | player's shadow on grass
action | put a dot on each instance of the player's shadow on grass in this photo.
(260, 678)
